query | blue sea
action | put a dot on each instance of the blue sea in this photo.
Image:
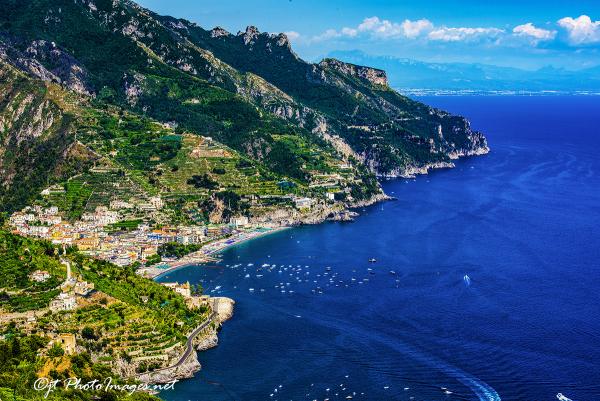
(486, 285)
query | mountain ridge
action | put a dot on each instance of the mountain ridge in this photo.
(250, 92)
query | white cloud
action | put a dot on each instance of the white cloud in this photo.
(445, 34)
(328, 34)
(536, 34)
(292, 35)
(388, 29)
(351, 32)
(412, 29)
(581, 30)
(408, 29)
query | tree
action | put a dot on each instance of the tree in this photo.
(88, 333)
(56, 351)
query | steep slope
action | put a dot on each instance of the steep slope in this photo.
(164, 66)
(108, 40)
(389, 131)
(37, 145)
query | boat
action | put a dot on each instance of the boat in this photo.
(372, 260)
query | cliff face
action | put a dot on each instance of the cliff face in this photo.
(36, 138)
(371, 75)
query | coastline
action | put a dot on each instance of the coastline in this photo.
(347, 213)
(206, 254)
(190, 365)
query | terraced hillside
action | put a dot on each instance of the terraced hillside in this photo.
(128, 324)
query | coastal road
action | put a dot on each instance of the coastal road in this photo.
(189, 346)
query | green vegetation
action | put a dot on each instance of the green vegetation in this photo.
(20, 363)
(29, 162)
(216, 126)
(125, 225)
(128, 317)
(203, 181)
(20, 258)
(153, 260)
(177, 250)
(167, 86)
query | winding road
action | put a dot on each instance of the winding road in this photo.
(189, 346)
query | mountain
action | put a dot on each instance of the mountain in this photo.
(99, 94)
(410, 74)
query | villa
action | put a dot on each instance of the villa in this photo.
(63, 302)
(39, 275)
(183, 289)
(83, 288)
(66, 341)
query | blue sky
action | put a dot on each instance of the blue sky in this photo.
(524, 33)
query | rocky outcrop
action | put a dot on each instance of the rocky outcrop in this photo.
(184, 371)
(318, 213)
(373, 75)
(208, 340)
(46, 61)
(217, 32)
(249, 35)
(413, 171)
(223, 307)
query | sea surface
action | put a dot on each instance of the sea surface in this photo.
(486, 285)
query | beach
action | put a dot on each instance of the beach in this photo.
(208, 252)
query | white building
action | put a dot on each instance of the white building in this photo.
(83, 288)
(40, 276)
(39, 231)
(119, 204)
(157, 202)
(107, 218)
(52, 210)
(302, 203)
(51, 220)
(63, 302)
(183, 289)
(241, 221)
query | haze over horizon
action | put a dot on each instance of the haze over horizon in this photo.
(528, 35)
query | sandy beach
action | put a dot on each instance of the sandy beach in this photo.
(206, 253)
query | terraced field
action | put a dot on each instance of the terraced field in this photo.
(199, 155)
(85, 192)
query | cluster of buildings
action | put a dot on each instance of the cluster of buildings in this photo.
(94, 233)
(71, 288)
(192, 301)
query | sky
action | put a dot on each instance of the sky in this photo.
(527, 34)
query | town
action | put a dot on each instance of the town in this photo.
(96, 234)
